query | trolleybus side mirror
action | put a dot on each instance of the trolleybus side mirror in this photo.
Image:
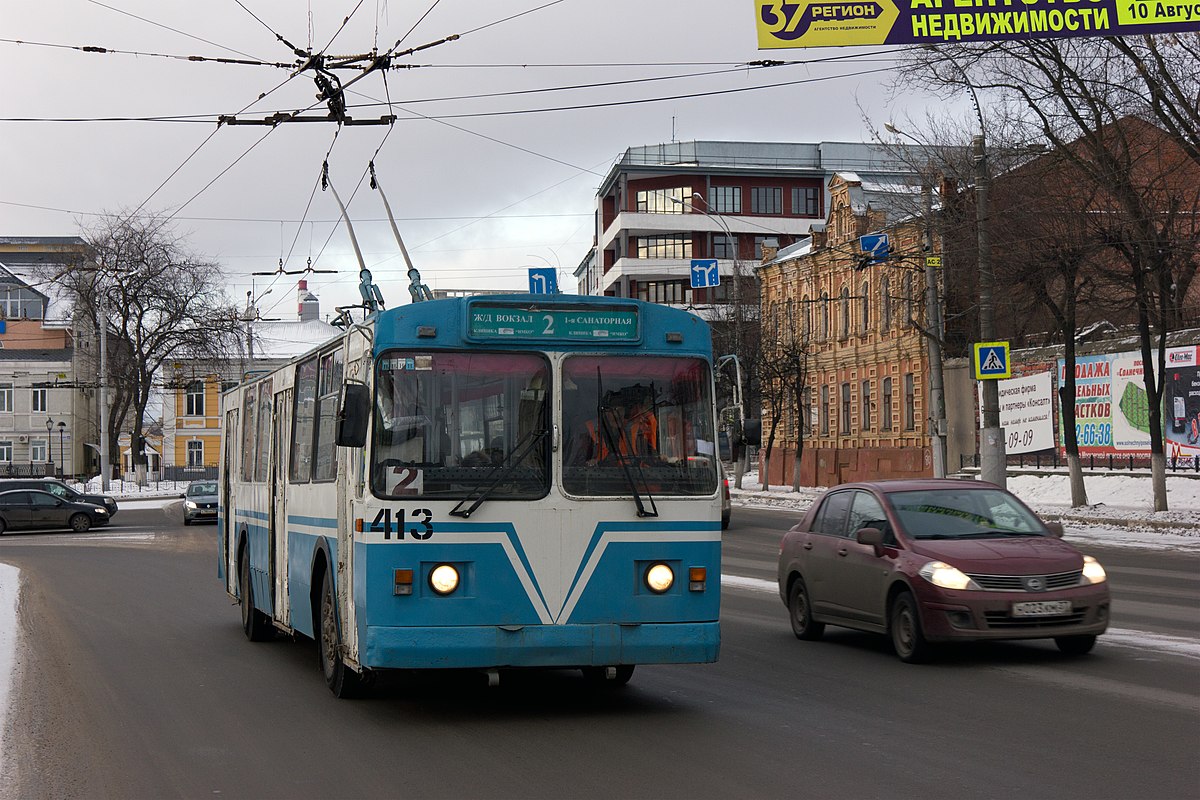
(353, 412)
(752, 432)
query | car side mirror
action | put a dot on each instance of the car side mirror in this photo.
(869, 536)
(1056, 529)
(354, 411)
(183, 496)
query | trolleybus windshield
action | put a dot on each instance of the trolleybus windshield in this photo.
(448, 423)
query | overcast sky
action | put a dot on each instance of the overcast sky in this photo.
(481, 194)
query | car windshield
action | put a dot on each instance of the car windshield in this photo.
(963, 514)
(208, 488)
(456, 424)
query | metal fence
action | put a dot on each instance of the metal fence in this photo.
(177, 473)
(1050, 459)
(32, 470)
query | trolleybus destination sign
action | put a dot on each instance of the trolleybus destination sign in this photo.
(541, 322)
(816, 23)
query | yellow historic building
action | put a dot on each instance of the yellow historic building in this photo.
(851, 325)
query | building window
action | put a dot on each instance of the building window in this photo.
(824, 315)
(885, 305)
(20, 303)
(885, 420)
(195, 399)
(806, 412)
(907, 291)
(766, 200)
(758, 246)
(6, 451)
(724, 246)
(6, 397)
(845, 408)
(806, 201)
(865, 400)
(665, 201)
(865, 302)
(38, 451)
(195, 453)
(824, 410)
(725, 200)
(679, 246)
(678, 292)
(845, 309)
(806, 311)
(37, 401)
(910, 402)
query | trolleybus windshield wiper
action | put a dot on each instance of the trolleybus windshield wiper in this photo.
(602, 414)
(524, 447)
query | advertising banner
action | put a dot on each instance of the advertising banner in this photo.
(1112, 413)
(809, 23)
(1026, 412)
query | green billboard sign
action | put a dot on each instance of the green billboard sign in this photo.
(542, 322)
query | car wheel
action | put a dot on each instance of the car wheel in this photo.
(187, 521)
(341, 679)
(904, 625)
(3, 526)
(800, 609)
(255, 624)
(599, 675)
(1075, 645)
(80, 523)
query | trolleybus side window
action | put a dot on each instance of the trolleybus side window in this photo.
(264, 431)
(325, 447)
(637, 425)
(454, 425)
(303, 420)
(249, 407)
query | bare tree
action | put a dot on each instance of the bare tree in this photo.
(1091, 99)
(159, 301)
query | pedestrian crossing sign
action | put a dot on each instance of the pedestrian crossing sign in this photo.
(991, 361)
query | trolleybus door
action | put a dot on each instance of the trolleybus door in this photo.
(280, 436)
(225, 512)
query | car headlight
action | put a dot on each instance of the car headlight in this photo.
(443, 579)
(659, 578)
(1092, 571)
(191, 504)
(105, 511)
(942, 574)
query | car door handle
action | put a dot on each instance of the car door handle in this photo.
(808, 545)
(842, 551)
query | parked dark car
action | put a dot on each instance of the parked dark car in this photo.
(937, 561)
(200, 502)
(30, 509)
(60, 489)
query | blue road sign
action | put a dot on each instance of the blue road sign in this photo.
(876, 244)
(543, 280)
(705, 273)
(991, 361)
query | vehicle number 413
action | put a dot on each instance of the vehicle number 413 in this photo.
(420, 527)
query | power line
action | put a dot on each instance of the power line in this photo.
(144, 54)
(169, 28)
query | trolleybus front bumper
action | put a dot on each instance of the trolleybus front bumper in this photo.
(541, 645)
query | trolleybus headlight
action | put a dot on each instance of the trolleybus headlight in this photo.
(443, 579)
(659, 578)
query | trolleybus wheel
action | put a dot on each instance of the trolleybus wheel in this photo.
(599, 675)
(343, 681)
(255, 624)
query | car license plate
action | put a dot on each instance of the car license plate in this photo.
(1041, 608)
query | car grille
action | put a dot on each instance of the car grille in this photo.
(206, 505)
(1000, 620)
(1018, 583)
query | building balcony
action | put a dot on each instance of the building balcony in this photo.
(636, 223)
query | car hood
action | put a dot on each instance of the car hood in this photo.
(98, 499)
(1013, 556)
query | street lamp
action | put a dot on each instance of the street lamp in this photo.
(49, 457)
(62, 459)
(933, 336)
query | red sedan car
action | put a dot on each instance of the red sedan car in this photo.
(937, 561)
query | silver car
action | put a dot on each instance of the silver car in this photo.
(200, 502)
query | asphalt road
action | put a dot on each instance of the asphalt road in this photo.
(136, 682)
